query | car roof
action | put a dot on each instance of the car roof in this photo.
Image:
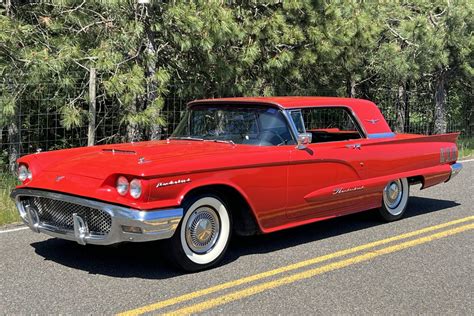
(368, 114)
(288, 102)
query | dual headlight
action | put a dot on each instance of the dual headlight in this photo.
(24, 173)
(124, 186)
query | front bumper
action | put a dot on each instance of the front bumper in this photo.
(146, 225)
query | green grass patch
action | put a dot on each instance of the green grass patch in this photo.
(466, 148)
(8, 212)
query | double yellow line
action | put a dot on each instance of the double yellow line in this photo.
(258, 288)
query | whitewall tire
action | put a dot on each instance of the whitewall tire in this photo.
(203, 235)
(395, 199)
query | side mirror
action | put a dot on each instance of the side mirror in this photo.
(303, 140)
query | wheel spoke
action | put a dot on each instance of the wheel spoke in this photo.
(202, 230)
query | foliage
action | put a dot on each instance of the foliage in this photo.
(466, 148)
(143, 53)
(8, 212)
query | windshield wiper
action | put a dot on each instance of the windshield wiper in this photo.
(202, 139)
(221, 141)
(186, 138)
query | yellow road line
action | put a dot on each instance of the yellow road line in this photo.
(301, 264)
(316, 271)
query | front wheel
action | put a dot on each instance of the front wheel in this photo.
(203, 235)
(394, 199)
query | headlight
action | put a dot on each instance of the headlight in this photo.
(122, 185)
(24, 173)
(135, 188)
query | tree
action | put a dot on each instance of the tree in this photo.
(414, 59)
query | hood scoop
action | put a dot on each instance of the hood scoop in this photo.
(119, 151)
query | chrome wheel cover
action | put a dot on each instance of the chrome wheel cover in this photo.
(392, 195)
(202, 230)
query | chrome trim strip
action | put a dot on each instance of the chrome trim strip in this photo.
(455, 169)
(381, 135)
(291, 124)
(154, 224)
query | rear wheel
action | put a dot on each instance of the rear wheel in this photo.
(394, 199)
(203, 235)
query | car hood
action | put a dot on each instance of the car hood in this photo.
(147, 159)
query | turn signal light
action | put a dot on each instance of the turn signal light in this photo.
(132, 229)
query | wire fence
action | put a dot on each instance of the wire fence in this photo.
(40, 124)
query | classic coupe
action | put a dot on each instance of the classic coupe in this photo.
(232, 165)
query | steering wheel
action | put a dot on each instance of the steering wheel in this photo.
(273, 134)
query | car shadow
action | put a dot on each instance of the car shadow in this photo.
(148, 260)
(329, 228)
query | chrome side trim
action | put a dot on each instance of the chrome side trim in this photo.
(455, 169)
(154, 224)
(291, 124)
(381, 135)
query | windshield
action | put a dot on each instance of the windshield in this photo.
(261, 126)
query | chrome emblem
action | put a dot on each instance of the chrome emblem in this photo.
(172, 182)
(345, 190)
(373, 121)
(142, 160)
(59, 178)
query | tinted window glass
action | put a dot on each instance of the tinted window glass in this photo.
(263, 126)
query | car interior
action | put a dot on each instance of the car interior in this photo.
(326, 124)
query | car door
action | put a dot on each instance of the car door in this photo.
(324, 178)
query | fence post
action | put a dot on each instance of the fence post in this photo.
(92, 108)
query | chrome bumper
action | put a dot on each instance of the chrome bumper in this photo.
(455, 169)
(148, 225)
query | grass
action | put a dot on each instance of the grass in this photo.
(466, 148)
(8, 212)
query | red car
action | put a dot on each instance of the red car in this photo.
(236, 165)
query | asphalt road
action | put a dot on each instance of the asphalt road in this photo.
(429, 271)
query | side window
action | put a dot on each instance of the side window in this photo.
(330, 124)
(297, 118)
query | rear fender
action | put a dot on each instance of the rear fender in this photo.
(431, 176)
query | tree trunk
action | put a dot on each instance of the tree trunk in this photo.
(92, 108)
(401, 109)
(440, 125)
(407, 110)
(150, 59)
(133, 130)
(13, 145)
(8, 8)
(351, 87)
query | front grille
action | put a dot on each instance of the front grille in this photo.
(59, 214)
